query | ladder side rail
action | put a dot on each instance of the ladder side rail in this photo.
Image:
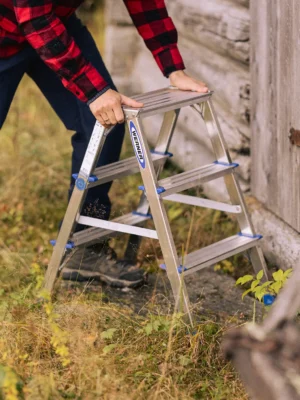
(162, 146)
(222, 154)
(74, 207)
(167, 131)
(232, 185)
(160, 218)
(207, 112)
(163, 143)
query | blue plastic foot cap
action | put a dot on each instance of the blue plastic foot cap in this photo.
(268, 299)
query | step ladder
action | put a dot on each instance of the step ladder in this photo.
(154, 191)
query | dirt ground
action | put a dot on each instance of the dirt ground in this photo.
(213, 295)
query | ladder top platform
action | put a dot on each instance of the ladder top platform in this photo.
(163, 100)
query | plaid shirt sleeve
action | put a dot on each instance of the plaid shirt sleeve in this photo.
(48, 36)
(158, 31)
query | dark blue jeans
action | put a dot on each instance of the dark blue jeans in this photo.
(74, 114)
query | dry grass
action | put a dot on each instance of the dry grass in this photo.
(82, 347)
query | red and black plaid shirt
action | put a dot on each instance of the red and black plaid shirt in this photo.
(41, 23)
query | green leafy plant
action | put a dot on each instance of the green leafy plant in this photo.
(264, 291)
(259, 288)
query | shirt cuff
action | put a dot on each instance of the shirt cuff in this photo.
(88, 84)
(98, 95)
(169, 60)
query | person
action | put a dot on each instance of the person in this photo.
(47, 41)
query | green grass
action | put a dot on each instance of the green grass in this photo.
(81, 346)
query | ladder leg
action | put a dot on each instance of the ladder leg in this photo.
(91, 156)
(160, 218)
(63, 237)
(162, 146)
(235, 193)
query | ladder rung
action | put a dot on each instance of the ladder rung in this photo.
(117, 227)
(219, 251)
(122, 168)
(91, 234)
(199, 202)
(195, 177)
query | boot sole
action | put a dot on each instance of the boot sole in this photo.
(83, 276)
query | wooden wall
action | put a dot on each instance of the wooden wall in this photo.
(276, 106)
(214, 41)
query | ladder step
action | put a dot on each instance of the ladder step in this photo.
(163, 100)
(219, 251)
(122, 168)
(195, 177)
(92, 234)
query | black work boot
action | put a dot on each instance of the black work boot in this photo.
(99, 262)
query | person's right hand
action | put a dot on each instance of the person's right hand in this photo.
(107, 108)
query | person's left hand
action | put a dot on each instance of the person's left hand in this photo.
(182, 81)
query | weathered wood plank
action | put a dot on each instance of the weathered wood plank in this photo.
(263, 149)
(227, 77)
(288, 84)
(276, 95)
(217, 24)
(189, 120)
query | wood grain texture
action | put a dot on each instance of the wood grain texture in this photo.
(275, 106)
(227, 77)
(219, 25)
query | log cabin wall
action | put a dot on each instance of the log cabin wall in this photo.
(214, 41)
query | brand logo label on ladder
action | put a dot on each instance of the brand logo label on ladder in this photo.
(135, 138)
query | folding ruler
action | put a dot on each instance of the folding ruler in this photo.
(150, 164)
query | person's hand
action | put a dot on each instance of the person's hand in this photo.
(107, 108)
(182, 81)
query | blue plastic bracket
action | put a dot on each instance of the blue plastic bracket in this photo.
(161, 153)
(250, 236)
(142, 215)
(233, 165)
(180, 269)
(92, 178)
(69, 245)
(159, 190)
